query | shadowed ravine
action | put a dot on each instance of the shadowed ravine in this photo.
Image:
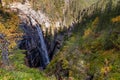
(59, 39)
(39, 49)
(38, 52)
(33, 43)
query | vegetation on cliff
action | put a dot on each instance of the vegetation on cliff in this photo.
(93, 50)
(91, 53)
(14, 67)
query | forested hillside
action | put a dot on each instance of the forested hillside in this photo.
(59, 39)
(92, 52)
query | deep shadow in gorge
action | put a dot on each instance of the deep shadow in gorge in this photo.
(33, 43)
(39, 49)
(39, 52)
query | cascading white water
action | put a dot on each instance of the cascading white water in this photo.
(44, 59)
(33, 33)
(33, 42)
(44, 52)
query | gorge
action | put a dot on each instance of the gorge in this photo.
(59, 39)
(38, 51)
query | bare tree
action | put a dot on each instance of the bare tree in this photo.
(0, 3)
(4, 48)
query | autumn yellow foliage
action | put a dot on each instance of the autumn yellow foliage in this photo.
(105, 70)
(94, 26)
(96, 21)
(116, 19)
(87, 32)
(9, 27)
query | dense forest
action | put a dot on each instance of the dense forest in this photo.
(59, 39)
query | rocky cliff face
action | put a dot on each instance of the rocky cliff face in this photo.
(66, 14)
(55, 16)
(61, 12)
(33, 42)
(39, 50)
(46, 24)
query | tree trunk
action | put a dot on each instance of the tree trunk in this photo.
(4, 49)
(0, 3)
(5, 57)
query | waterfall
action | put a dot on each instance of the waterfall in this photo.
(44, 52)
(42, 45)
(33, 42)
(33, 39)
